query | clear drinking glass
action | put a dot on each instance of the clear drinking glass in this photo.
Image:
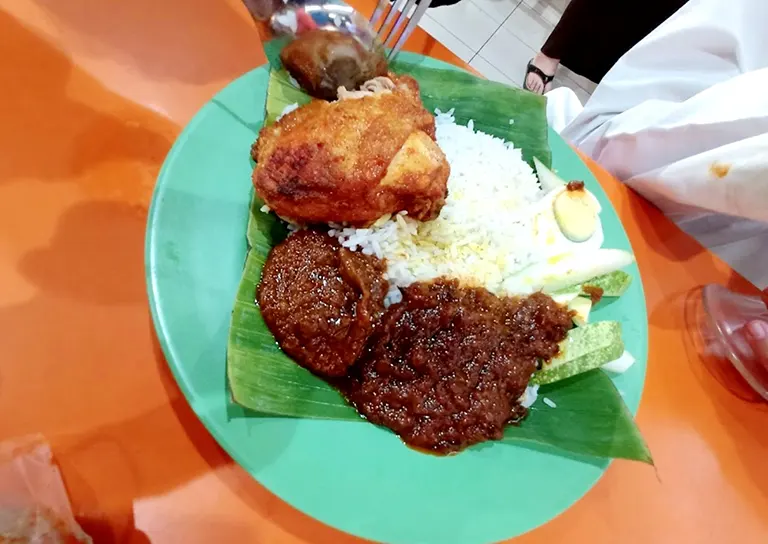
(722, 325)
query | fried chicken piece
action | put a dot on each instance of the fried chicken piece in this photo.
(354, 160)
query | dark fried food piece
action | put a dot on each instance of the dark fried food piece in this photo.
(321, 61)
(447, 365)
(321, 301)
(353, 160)
(595, 293)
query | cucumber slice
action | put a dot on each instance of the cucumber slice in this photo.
(581, 306)
(567, 270)
(620, 365)
(565, 297)
(585, 348)
(613, 284)
(548, 179)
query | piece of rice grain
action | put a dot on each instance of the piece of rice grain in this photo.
(529, 396)
(549, 402)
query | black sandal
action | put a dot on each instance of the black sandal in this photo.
(533, 69)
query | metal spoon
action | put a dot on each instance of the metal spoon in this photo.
(383, 30)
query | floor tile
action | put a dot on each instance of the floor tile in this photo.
(560, 5)
(557, 5)
(550, 10)
(465, 21)
(583, 82)
(499, 10)
(508, 55)
(490, 71)
(445, 37)
(529, 27)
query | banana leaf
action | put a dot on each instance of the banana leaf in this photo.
(590, 419)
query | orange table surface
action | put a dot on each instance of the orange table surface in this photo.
(92, 96)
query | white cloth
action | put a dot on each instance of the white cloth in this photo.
(563, 106)
(683, 119)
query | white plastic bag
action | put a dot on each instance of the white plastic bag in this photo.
(563, 106)
(34, 507)
(683, 119)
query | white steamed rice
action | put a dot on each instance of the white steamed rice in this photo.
(483, 233)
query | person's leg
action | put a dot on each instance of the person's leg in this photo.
(593, 34)
(540, 82)
(567, 34)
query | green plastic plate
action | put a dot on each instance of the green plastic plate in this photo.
(352, 476)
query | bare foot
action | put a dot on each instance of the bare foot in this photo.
(547, 65)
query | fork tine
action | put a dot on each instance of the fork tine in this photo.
(414, 20)
(390, 16)
(378, 13)
(399, 23)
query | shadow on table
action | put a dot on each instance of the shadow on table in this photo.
(49, 135)
(706, 397)
(77, 175)
(196, 42)
(663, 236)
(702, 395)
(75, 183)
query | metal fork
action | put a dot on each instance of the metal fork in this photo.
(382, 20)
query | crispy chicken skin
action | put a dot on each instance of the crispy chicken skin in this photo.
(353, 160)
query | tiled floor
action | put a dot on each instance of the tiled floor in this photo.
(498, 37)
